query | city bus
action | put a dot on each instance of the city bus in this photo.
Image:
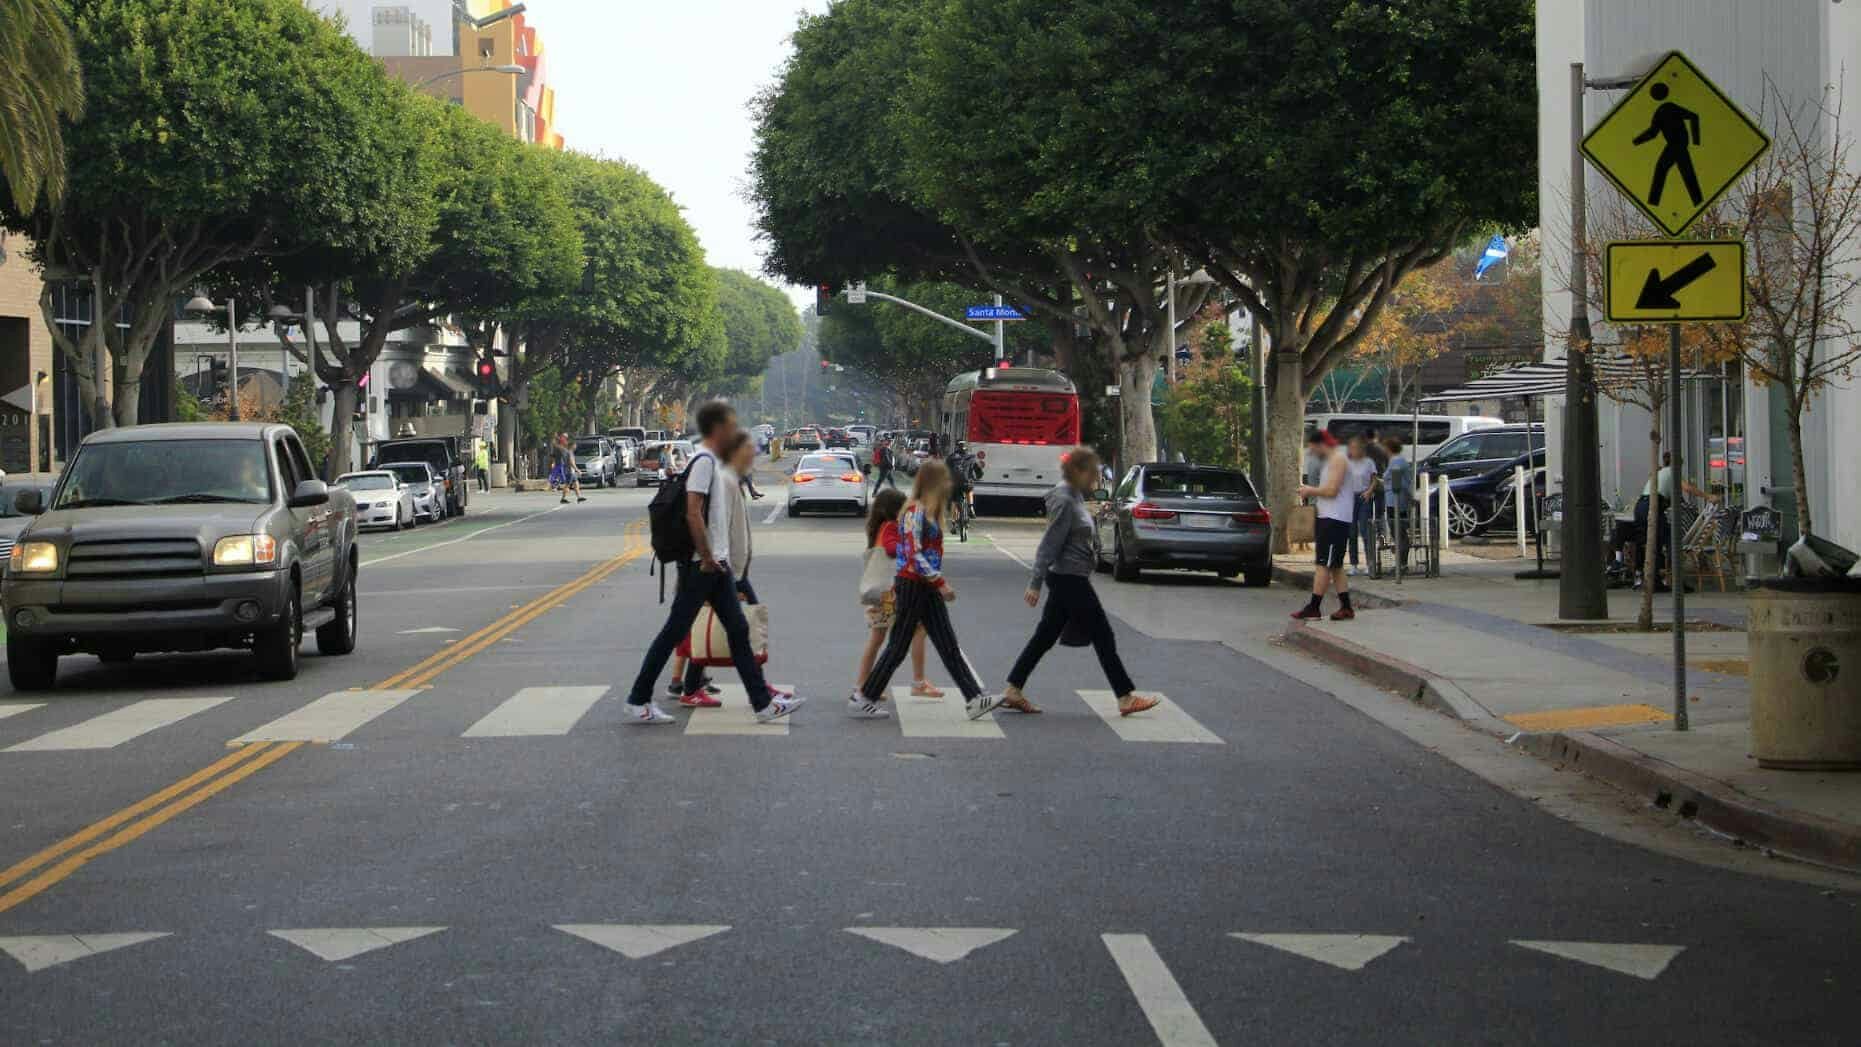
(1018, 421)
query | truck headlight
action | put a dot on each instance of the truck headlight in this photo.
(245, 550)
(34, 558)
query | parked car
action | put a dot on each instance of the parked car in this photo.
(626, 453)
(804, 439)
(181, 537)
(1189, 517)
(1478, 497)
(1482, 450)
(838, 439)
(595, 462)
(447, 456)
(660, 462)
(382, 499)
(428, 493)
(637, 434)
(1423, 434)
(827, 481)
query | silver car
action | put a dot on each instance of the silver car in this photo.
(423, 484)
(828, 480)
(382, 499)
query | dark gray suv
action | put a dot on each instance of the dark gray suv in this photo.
(183, 537)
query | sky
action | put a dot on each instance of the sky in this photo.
(662, 84)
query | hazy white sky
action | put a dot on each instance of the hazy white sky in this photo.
(663, 84)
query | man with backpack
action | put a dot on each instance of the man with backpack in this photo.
(691, 526)
(882, 462)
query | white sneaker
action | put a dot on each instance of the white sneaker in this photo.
(649, 715)
(860, 709)
(981, 705)
(780, 705)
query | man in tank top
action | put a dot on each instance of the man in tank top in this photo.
(1335, 497)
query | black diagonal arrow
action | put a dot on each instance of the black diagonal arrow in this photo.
(1659, 294)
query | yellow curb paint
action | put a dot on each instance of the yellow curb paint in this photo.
(1588, 716)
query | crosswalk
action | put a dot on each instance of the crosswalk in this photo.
(539, 712)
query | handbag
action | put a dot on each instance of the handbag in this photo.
(875, 579)
(710, 645)
(1075, 634)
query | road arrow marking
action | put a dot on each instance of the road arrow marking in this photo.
(637, 941)
(1642, 961)
(1346, 952)
(41, 951)
(1658, 293)
(937, 944)
(337, 944)
(428, 629)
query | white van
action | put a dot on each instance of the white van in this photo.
(1436, 429)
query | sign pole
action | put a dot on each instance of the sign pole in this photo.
(1676, 556)
(1000, 335)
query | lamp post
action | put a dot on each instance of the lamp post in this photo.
(201, 304)
(507, 69)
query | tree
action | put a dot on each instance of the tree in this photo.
(1209, 411)
(215, 131)
(759, 323)
(44, 86)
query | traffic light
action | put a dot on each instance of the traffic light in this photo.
(825, 365)
(824, 298)
(486, 371)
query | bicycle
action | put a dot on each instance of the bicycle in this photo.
(962, 511)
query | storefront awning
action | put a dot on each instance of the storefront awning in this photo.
(1547, 379)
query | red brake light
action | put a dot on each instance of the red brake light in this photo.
(851, 478)
(1257, 516)
(1146, 511)
(804, 478)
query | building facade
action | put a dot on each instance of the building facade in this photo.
(26, 364)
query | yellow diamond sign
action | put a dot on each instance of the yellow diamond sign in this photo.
(1675, 144)
(1674, 281)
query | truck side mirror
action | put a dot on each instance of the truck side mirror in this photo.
(310, 493)
(30, 503)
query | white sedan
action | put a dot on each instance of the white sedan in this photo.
(830, 480)
(420, 481)
(381, 499)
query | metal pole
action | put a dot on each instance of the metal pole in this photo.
(1581, 594)
(1171, 295)
(1258, 365)
(1676, 558)
(232, 360)
(1001, 337)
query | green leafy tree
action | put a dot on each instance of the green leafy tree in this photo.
(43, 87)
(299, 411)
(1209, 412)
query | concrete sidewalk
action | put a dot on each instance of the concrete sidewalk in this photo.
(1485, 648)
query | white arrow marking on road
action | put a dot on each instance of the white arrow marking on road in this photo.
(428, 629)
(1642, 961)
(938, 944)
(637, 941)
(336, 944)
(41, 951)
(1171, 1014)
(1346, 952)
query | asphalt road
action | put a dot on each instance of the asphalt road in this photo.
(463, 843)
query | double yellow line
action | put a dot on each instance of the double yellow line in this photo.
(32, 876)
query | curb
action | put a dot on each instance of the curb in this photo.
(1719, 807)
(1413, 682)
(1292, 576)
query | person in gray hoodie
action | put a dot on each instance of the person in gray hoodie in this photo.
(1063, 564)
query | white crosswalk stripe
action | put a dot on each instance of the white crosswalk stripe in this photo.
(735, 716)
(939, 717)
(329, 718)
(1168, 722)
(1171, 1015)
(537, 711)
(15, 708)
(111, 729)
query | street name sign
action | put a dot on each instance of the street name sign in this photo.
(993, 312)
(1675, 144)
(856, 295)
(1674, 281)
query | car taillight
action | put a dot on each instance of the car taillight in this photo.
(804, 478)
(1146, 511)
(851, 478)
(1256, 516)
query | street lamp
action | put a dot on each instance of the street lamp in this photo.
(201, 304)
(509, 69)
(1200, 276)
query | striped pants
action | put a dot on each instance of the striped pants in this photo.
(918, 603)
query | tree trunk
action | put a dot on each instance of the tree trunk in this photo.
(1804, 525)
(1136, 376)
(1651, 542)
(1285, 439)
(344, 396)
(507, 439)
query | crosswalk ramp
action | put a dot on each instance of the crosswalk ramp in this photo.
(556, 711)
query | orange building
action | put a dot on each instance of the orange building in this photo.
(523, 104)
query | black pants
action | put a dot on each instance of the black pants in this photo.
(696, 589)
(884, 477)
(694, 673)
(1070, 597)
(484, 480)
(1658, 522)
(919, 604)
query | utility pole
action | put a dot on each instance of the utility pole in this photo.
(1001, 337)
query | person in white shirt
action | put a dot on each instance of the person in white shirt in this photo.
(1335, 498)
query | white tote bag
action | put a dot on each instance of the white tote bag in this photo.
(875, 579)
(710, 645)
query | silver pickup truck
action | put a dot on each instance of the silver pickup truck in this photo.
(183, 537)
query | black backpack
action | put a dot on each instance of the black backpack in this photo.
(671, 532)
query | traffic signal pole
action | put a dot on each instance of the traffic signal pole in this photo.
(993, 339)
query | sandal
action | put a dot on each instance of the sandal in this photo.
(1138, 703)
(1020, 704)
(925, 689)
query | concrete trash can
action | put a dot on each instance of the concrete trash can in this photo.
(1804, 638)
(500, 474)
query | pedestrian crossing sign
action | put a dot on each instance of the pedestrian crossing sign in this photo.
(1675, 144)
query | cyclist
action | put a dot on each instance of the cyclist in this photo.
(964, 470)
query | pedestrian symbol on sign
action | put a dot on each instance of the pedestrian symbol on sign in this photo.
(1679, 127)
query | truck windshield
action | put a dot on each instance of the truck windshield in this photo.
(155, 472)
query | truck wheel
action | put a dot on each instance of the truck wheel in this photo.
(338, 637)
(31, 665)
(275, 649)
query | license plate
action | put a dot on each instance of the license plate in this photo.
(1203, 522)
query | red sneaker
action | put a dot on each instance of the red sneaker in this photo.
(701, 700)
(1308, 613)
(1342, 614)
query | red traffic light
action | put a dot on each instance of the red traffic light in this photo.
(825, 365)
(487, 369)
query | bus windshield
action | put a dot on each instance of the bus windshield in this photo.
(1005, 417)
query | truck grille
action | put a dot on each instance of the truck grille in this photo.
(140, 558)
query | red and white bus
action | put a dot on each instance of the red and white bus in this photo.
(1018, 421)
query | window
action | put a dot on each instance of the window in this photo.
(1196, 483)
(287, 469)
(1503, 445)
(157, 472)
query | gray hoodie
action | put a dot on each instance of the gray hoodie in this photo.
(1070, 545)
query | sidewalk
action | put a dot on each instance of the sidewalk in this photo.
(1486, 648)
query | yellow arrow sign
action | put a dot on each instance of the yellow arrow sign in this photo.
(1675, 144)
(1674, 281)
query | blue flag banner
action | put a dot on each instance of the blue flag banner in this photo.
(1495, 253)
